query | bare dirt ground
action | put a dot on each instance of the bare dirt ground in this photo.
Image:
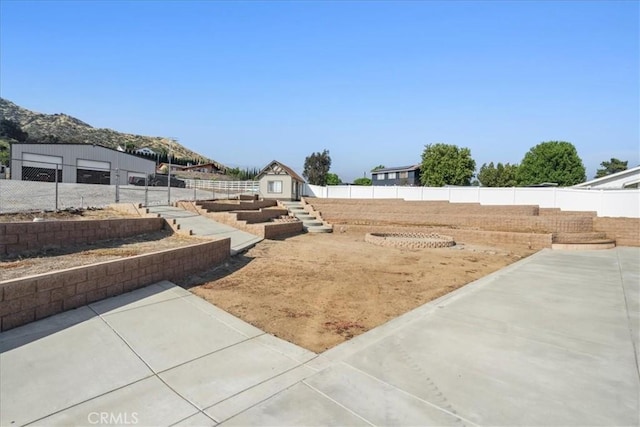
(314, 290)
(319, 290)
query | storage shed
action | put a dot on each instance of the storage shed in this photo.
(280, 182)
(76, 163)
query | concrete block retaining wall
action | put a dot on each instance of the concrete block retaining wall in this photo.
(31, 298)
(218, 206)
(540, 224)
(626, 231)
(423, 207)
(261, 215)
(16, 237)
(482, 237)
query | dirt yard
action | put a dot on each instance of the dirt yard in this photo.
(314, 290)
(319, 290)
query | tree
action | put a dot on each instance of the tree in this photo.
(611, 167)
(316, 168)
(362, 181)
(10, 129)
(552, 161)
(377, 168)
(446, 164)
(498, 176)
(333, 179)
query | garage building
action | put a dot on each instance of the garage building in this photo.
(76, 163)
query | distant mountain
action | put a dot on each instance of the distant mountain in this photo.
(62, 128)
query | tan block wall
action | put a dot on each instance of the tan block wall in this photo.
(626, 231)
(261, 215)
(17, 237)
(537, 224)
(526, 240)
(419, 207)
(274, 230)
(31, 298)
(219, 206)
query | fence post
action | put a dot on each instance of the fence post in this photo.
(117, 185)
(146, 191)
(56, 179)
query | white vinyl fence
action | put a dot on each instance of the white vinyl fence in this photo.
(611, 203)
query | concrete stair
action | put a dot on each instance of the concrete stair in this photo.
(582, 241)
(310, 223)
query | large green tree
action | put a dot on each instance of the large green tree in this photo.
(446, 164)
(498, 176)
(316, 168)
(552, 161)
(610, 167)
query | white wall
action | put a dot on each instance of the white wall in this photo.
(613, 203)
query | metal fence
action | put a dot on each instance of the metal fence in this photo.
(40, 187)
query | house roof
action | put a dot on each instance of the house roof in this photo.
(282, 166)
(615, 180)
(202, 165)
(398, 169)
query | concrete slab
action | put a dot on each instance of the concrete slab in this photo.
(299, 405)
(146, 330)
(148, 402)
(218, 376)
(65, 368)
(378, 402)
(240, 402)
(197, 420)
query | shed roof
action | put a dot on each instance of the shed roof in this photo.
(283, 167)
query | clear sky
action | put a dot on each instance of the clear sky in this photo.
(373, 82)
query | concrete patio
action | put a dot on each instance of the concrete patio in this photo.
(550, 340)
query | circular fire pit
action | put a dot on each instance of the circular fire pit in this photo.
(410, 240)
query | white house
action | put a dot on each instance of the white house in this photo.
(629, 178)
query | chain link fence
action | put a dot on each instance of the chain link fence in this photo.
(45, 186)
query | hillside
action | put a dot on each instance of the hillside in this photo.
(66, 129)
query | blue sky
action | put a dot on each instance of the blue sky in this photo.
(373, 82)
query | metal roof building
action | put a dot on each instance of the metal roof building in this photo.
(76, 163)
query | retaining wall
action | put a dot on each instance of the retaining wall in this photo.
(625, 231)
(31, 298)
(540, 224)
(16, 237)
(534, 241)
(226, 206)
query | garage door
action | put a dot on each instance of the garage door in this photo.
(38, 167)
(93, 172)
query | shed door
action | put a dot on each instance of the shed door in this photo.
(38, 167)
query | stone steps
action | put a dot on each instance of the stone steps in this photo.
(310, 223)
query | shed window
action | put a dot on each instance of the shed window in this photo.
(274, 186)
(392, 175)
(380, 176)
(404, 174)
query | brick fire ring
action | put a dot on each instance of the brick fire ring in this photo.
(410, 240)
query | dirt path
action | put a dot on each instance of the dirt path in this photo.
(320, 290)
